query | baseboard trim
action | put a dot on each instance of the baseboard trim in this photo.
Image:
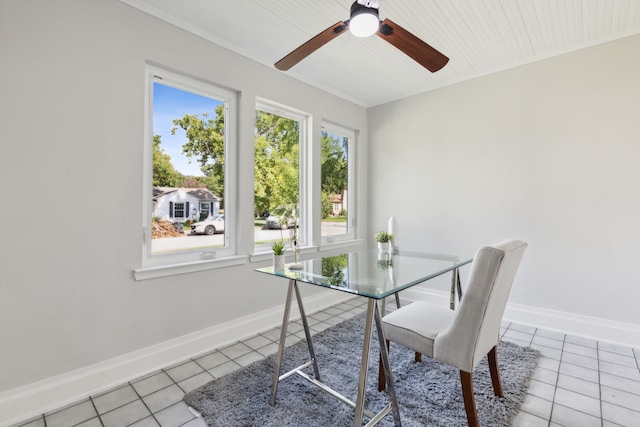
(627, 334)
(34, 399)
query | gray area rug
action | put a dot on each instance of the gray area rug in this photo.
(429, 392)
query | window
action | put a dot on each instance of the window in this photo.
(337, 210)
(188, 153)
(178, 211)
(279, 203)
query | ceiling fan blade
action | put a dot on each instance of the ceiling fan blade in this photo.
(311, 46)
(412, 46)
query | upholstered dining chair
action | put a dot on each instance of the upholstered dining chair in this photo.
(461, 338)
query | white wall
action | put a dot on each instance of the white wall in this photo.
(547, 153)
(71, 112)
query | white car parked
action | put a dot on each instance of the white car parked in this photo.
(210, 226)
(281, 212)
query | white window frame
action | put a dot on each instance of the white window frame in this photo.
(351, 183)
(304, 143)
(159, 265)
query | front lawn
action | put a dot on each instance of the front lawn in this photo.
(334, 219)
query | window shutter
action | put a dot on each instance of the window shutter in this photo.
(187, 212)
(170, 209)
(211, 209)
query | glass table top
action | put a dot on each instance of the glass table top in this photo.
(371, 273)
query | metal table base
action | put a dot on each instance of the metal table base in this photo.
(373, 316)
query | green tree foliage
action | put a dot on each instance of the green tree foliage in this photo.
(276, 167)
(333, 269)
(276, 162)
(326, 204)
(334, 168)
(334, 163)
(205, 142)
(164, 174)
(192, 182)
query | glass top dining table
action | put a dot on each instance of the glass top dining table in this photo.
(370, 273)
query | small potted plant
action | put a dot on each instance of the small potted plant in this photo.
(278, 256)
(383, 238)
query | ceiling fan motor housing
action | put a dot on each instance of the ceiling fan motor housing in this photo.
(357, 9)
(370, 3)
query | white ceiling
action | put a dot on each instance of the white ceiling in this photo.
(479, 36)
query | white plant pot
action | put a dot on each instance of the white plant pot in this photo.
(278, 263)
(383, 246)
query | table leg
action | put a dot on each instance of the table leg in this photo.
(283, 336)
(307, 333)
(364, 363)
(373, 311)
(454, 282)
(397, 294)
(384, 353)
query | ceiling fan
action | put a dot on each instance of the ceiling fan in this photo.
(364, 22)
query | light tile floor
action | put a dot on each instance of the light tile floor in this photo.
(578, 382)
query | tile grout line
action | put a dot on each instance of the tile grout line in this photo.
(533, 335)
(95, 408)
(557, 376)
(555, 389)
(185, 392)
(145, 403)
(91, 399)
(203, 371)
(599, 384)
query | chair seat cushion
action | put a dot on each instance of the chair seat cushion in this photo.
(417, 325)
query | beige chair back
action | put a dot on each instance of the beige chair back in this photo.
(476, 327)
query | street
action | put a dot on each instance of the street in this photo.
(188, 241)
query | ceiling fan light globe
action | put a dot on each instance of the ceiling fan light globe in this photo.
(364, 20)
(364, 25)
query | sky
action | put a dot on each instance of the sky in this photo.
(168, 104)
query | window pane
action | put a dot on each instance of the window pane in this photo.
(276, 179)
(335, 182)
(188, 170)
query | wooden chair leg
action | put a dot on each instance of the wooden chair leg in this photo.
(492, 357)
(466, 378)
(418, 357)
(382, 380)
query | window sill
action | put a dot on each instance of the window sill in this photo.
(268, 256)
(155, 272)
(308, 251)
(341, 244)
